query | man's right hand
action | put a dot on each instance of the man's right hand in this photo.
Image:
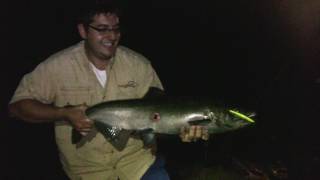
(78, 119)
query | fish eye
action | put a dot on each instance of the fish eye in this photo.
(155, 117)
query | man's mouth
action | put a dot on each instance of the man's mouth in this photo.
(108, 44)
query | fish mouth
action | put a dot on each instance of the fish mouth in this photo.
(247, 118)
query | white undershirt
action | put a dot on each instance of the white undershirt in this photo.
(100, 74)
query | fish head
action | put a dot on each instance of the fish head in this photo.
(230, 119)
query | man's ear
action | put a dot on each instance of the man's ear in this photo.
(82, 31)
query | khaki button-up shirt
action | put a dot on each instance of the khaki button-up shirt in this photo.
(66, 78)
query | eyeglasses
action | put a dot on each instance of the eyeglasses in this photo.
(106, 30)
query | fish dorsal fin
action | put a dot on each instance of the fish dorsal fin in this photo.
(201, 122)
(154, 92)
(148, 137)
(117, 137)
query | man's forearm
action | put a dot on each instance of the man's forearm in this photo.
(34, 111)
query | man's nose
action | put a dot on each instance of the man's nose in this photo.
(112, 35)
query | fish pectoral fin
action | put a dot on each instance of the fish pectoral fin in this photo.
(116, 136)
(148, 137)
(201, 122)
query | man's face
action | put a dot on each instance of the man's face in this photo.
(102, 36)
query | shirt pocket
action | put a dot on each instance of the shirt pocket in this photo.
(74, 95)
(127, 89)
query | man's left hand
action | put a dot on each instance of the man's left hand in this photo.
(194, 133)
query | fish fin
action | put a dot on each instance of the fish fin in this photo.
(121, 140)
(87, 138)
(79, 139)
(201, 122)
(76, 136)
(154, 92)
(148, 137)
(116, 136)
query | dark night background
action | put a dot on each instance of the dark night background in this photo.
(263, 55)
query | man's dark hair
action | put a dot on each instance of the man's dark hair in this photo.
(90, 8)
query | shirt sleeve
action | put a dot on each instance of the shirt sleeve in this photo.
(155, 81)
(37, 85)
(150, 79)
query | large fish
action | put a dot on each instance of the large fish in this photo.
(118, 120)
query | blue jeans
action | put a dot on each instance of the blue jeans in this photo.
(156, 171)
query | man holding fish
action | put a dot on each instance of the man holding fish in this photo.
(95, 70)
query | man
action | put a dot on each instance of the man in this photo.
(97, 69)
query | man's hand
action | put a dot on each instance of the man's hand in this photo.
(78, 119)
(193, 133)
